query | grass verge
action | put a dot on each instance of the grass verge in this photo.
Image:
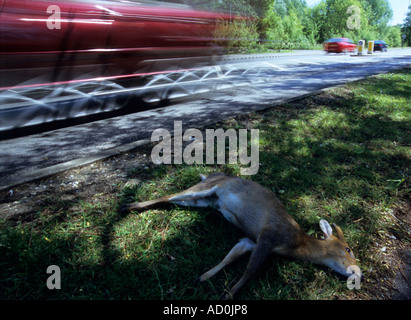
(343, 156)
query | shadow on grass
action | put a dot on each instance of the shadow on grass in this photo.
(104, 254)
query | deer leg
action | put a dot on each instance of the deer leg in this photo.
(200, 195)
(195, 198)
(260, 252)
(245, 245)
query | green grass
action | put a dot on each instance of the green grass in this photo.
(341, 156)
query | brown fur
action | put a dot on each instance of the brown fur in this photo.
(263, 218)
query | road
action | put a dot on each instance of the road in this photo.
(246, 83)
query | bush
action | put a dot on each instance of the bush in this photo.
(236, 35)
(394, 36)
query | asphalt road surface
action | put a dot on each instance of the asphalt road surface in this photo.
(247, 83)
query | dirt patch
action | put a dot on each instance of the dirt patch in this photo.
(97, 182)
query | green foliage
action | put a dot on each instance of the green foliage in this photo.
(394, 36)
(291, 24)
(236, 35)
(284, 26)
(407, 27)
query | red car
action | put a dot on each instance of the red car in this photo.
(62, 59)
(60, 40)
(339, 45)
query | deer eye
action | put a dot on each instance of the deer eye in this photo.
(348, 250)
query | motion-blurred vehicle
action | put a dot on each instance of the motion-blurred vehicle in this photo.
(339, 45)
(63, 40)
(380, 45)
(52, 51)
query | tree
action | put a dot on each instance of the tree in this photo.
(406, 27)
(299, 7)
(316, 23)
(280, 8)
(349, 18)
(339, 13)
(292, 21)
(394, 36)
(379, 12)
(283, 23)
(235, 7)
(293, 28)
(272, 27)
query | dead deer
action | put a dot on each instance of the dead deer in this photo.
(263, 218)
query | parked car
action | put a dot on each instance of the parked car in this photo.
(380, 45)
(339, 45)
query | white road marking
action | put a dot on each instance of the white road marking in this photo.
(273, 65)
(305, 61)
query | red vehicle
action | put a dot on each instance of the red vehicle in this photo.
(339, 45)
(68, 58)
(61, 40)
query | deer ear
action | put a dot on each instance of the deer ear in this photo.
(339, 232)
(203, 177)
(326, 228)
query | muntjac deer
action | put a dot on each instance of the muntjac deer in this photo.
(268, 227)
